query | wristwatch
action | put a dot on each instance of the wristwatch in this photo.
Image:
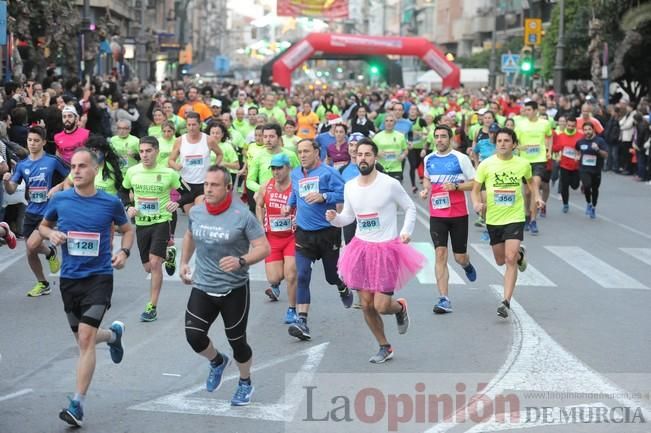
(126, 251)
(242, 262)
(325, 196)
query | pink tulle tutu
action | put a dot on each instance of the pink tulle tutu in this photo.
(378, 266)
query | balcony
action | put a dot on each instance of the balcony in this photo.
(119, 7)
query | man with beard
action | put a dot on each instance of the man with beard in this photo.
(195, 105)
(377, 261)
(72, 135)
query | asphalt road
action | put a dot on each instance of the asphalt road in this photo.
(573, 357)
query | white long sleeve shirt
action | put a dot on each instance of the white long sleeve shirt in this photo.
(375, 208)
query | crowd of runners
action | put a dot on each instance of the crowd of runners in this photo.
(288, 178)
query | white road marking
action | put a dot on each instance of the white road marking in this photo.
(16, 394)
(596, 269)
(282, 410)
(171, 374)
(427, 274)
(536, 362)
(530, 277)
(642, 254)
(9, 257)
(608, 220)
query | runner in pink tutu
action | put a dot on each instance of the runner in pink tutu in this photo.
(377, 262)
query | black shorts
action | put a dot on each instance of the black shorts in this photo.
(546, 175)
(455, 228)
(31, 223)
(499, 234)
(397, 175)
(85, 300)
(189, 192)
(539, 169)
(316, 244)
(153, 240)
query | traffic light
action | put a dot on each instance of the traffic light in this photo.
(374, 70)
(527, 62)
(526, 66)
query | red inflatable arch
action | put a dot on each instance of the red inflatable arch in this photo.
(361, 44)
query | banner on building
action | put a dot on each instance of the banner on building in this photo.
(329, 9)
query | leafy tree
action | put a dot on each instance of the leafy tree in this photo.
(624, 24)
(50, 28)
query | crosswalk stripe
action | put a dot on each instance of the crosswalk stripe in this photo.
(642, 254)
(426, 275)
(531, 277)
(595, 269)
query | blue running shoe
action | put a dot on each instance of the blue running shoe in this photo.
(470, 271)
(243, 393)
(526, 226)
(116, 348)
(533, 226)
(300, 330)
(588, 209)
(593, 212)
(485, 236)
(291, 316)
(214, 380)
(273, 293)
(74, 415)
(566, 208)
(443, 306)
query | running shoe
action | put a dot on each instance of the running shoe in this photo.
(566, 208)
(170, 260)
(543, 212)
(214, 380)
(588, 209)
(526, 226)
(479, 222)
(150, 314)
(470, 271)
(53, 260)
(522, 261)
(40, 288)
(273, 293)
(290, 316)
(402, 318)
(346, 297)
(503, 309)
(243, 393)
(533, 226)
(384, 354)
(74, 414)
(9, 237)
(485, 236)
(443, 306)
(299, 329)
(116, 348)
(593, 212)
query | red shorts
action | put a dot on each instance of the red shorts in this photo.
(281, 247)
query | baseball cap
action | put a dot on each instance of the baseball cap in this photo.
(215, 103)
(355, 136)
(279, 160)
(494, 127)
(70, 109)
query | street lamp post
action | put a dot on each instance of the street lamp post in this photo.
(559, 66)
(492, 63)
